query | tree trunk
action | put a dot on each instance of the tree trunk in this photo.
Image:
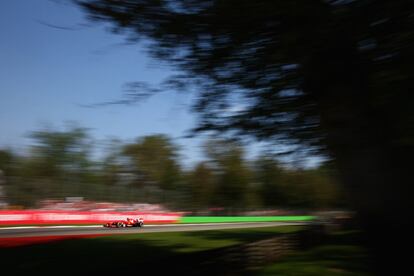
(375, 172)
(379, 189)
(372, 156)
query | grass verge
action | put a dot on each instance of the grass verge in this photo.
(244, 219)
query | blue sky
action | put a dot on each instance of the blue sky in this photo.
(47, 74)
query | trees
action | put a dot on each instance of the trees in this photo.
(332, 76)
(6, 163)
(148, 170)
(154, 161)
(201, 183)
(270, 177)
(57, 152)
(314, 188)
(54, 162)
(232, 174)
(58, 166)
(227, 179)
(6, 171)
(61, 158)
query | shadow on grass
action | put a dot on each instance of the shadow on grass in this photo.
(182, 253)
(340, 254)
(74, 256)
(335, 260)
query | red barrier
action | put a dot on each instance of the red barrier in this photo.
(21, 217)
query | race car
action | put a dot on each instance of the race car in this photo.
(129, 222)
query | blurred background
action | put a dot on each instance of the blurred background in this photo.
(59, 171)
(214, 108)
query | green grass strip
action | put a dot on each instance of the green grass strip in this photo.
(244, 219)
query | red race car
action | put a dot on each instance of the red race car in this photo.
(129, 222)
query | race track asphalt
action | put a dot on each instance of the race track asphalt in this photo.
(44, 231)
